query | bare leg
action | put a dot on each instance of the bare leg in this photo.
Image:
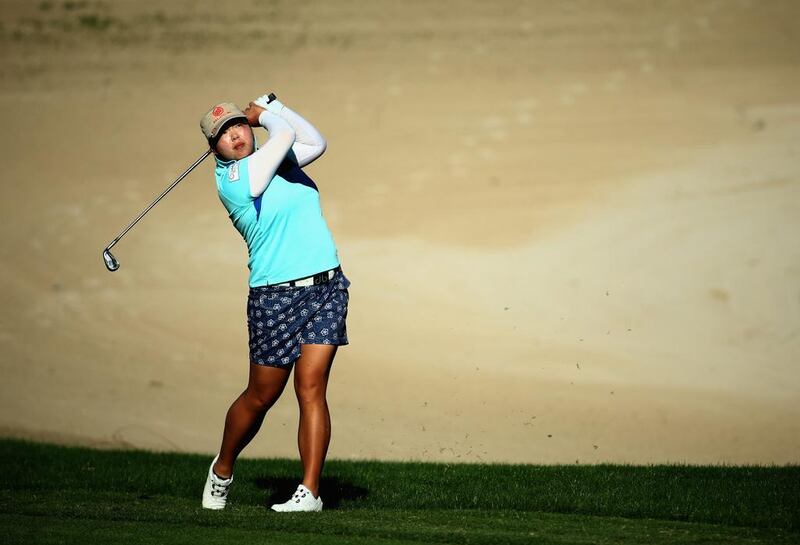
(246, 414)
(311, 374)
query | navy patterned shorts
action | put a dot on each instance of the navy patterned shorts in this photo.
(281, 318)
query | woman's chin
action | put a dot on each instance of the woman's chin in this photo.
(241, 153)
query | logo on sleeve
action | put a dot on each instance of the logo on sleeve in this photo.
(233, 172)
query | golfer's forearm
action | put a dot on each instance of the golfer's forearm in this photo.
(309, 142)
(263, 163)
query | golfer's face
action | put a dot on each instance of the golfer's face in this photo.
(236, 142)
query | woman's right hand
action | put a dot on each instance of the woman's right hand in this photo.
(252, 112)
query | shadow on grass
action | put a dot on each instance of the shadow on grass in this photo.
(333, 490)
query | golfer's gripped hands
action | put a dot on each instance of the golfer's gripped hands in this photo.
(262, 101)
(252, 112)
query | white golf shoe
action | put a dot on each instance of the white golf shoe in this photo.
(301, 500)
(215, 493)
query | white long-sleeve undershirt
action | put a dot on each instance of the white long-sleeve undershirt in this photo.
(264, 162)
(309, 142)
(288, 131)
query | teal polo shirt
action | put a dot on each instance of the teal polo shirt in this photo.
(286, 234)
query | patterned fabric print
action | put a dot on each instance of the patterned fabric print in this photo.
(279, 319)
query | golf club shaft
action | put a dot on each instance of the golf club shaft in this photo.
(152, 204)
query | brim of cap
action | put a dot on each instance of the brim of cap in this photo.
(224, 121)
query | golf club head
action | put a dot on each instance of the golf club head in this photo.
(111, 262)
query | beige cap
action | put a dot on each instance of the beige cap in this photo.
(217, 116)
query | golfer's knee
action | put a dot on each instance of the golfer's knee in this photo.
(310, 392)
(259, 400)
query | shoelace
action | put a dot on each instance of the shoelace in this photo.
(222, 491)
(298, 495)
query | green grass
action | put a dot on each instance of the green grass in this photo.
(56, 494)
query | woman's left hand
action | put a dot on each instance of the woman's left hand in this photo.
(252, 112)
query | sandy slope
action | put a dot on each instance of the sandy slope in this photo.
(571, 231)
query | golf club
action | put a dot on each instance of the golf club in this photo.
(111, 262)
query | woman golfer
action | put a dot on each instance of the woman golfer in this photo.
(297, 302)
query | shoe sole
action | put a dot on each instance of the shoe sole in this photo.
(293, 511)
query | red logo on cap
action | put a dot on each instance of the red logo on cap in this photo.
(218, 111)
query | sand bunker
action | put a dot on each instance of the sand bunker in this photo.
(571, 230)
